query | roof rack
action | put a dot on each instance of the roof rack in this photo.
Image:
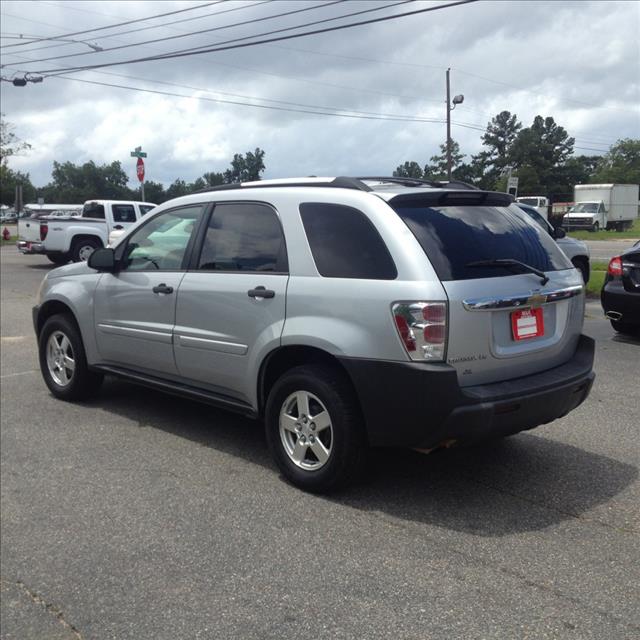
(340, 182)
(421, 182)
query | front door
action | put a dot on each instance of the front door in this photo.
(135, 307)
(231, 304)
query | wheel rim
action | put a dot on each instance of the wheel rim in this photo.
(85, 251)
(306, 431)
(60, 359)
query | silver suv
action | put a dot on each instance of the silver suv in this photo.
(345, 312)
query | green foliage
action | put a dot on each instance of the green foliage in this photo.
(621, 164)
(410, 169)
(437, 170)
(245, 168)
(10, 144)
(8, 181)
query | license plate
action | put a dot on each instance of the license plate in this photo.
(527, 323)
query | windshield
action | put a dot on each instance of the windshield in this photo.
(454, 236)
(532, 202)
(585, 207)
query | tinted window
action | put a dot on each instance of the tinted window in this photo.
(243, 237)
(454, 236)
(345, 244)
(161, 244)
(123, 213)
(93, 210)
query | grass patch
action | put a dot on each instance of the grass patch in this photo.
(631, 234)
(596, 279)
(11, 240)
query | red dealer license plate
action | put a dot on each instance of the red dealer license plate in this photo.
(527, 323)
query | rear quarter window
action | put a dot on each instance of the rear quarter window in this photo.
(454, 236)
(345, 244)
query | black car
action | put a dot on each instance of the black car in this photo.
(620, 295)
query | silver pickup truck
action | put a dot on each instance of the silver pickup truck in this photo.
(76, 238)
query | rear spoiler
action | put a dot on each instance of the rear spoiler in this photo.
(452, 199)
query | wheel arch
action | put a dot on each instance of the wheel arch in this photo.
(582, 264)
(51, 308)
(280, 360)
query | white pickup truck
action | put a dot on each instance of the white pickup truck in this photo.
(64, 239)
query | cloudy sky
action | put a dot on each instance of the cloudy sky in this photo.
(576, 61)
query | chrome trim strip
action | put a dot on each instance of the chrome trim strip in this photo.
(143, 334)
(521, 300)
(213, 345)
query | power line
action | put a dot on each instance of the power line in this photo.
(244, 23)
(185, 53)
(137, 30)
(120, 24)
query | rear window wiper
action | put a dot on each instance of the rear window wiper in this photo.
(509, 262)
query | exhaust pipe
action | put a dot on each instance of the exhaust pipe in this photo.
(613, 315)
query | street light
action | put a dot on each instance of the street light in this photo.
(459, 99)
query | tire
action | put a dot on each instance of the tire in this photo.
(324, 394)
(58, 258)
(63, 362)
(83, 248)
(596, 227)
(625, 328)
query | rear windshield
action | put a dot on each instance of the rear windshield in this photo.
(454, 236)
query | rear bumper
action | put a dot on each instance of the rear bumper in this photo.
(29, 248)
(614, 297)
(422, 405)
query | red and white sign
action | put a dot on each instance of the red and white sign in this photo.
(140, 169)
(527, 323)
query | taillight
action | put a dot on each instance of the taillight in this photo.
(44, 229)
(422, 327)
(615, 266)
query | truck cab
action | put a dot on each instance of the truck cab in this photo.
(590, 216)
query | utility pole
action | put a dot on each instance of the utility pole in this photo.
(448, 126)
(459, 99)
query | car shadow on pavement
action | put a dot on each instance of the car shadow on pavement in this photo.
(523, 483)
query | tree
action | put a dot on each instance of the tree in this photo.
(437, 170)
(76, 183)
(245, 168)
(9, 179)
(177, 188)
(620, 164)
(154, 192)
(213, 179)
(10, 144)
(544, 146)
(410, 169)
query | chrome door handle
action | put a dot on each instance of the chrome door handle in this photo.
(261, 292)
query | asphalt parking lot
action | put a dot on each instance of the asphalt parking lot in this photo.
(142, 516)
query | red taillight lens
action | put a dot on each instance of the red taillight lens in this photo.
(405, 333)
(615, 266)
(434, 313)
(44, 229)
(435, 333)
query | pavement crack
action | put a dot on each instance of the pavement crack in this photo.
(49, 608)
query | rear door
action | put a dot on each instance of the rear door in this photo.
(123, 215)
(504, 321)
(231, 303)
(135, 307)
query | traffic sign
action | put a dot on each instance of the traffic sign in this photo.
(140, 169)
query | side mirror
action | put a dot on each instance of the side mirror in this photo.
(559, 232)
(103, 260)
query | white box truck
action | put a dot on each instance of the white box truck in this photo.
(603, 206)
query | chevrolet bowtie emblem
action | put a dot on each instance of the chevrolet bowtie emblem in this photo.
(536, 300)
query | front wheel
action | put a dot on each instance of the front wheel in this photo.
(314, 428)
(596, 227)
(63, 362)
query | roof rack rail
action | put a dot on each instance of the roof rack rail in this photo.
(418, 182)
(340, 182)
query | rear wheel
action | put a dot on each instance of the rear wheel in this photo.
(83, 248)
(625, 327)
(314, 428)
(63, 362)
(58, 258)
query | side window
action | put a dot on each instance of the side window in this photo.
(161, 244)
(243, 237)
(93, 210)
(145, 208)
(123, 213)
(345, 244)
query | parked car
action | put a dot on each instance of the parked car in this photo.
(620, 294)
(9, 218)
(345, 312)
(71, 238)
(576, 250)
